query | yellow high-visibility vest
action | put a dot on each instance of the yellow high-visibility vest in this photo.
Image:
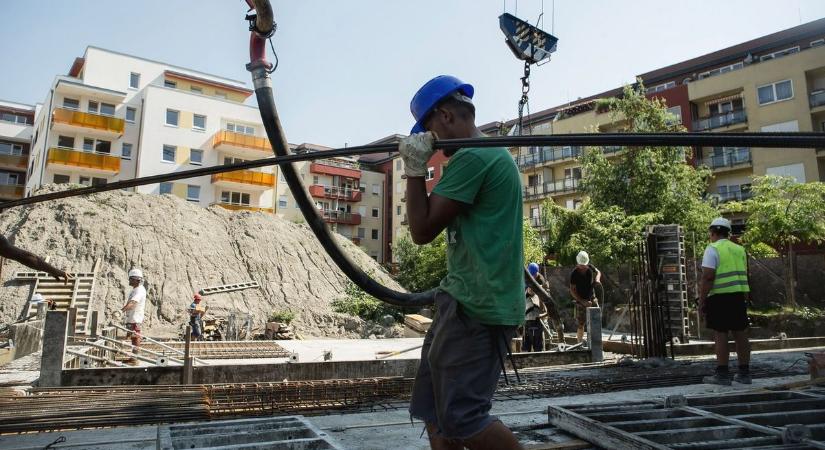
(732, 271)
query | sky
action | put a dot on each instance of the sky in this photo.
(349, 69)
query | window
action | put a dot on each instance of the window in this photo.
(315, 179)
(196, 89)
(362, 187)
(61, 179)
(398, 163)
(9, 178)
(193, 192)
(170, 84)
(107, 109)
(376, 212)
(236, 198)
(795, 171)
(282, 201)
(98, 181)
(134, 80)
(676, 112)
(172, 117)
(774, 92)
(131, 113)
(229, 160)
(126, 151)
(362, 211)
(399, 187)
(376, 189)
(780, 53)
(661, 87)
(70, 103)
(817, 43)
(94, 107)
(238, 128)
(195, 157)
(14, 118)
(374, 234)
(573, 172)
(721, 70)
(103, 146)
(8, 148)
(199, 122)
(169, 153)
(430, 174)
(165, 188)
(65, 141)
(88, 145)
(85, 181)
(362, 232)
(398, 210)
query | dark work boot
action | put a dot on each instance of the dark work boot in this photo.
(720, 377)
(743, 376)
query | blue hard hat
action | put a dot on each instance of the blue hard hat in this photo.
(433, 92)
(533, 268)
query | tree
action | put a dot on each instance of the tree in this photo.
(783, 213)
(637, 187)
(422, 267)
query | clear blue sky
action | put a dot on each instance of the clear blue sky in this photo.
(349, 69)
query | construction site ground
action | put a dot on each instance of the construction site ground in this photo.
(523, 407)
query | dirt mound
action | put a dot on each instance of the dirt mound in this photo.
(182, 248)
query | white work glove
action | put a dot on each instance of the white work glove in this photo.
(416, 150)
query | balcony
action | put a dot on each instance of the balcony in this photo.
(564, 186)
(245, 179)
(335, 167)
(729, 159)
(332, 216)
(106, 126)
(233, 207)
(538, 222)
(817, 98)
(11, 191)
(335, 192)
(254, 147)
(101, 163)
(720, 120)
(734, 196)
(547, 154)
(14, 162)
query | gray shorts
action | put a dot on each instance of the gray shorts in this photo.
(459, 371)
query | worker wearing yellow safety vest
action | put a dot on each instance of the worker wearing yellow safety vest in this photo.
(723, 300)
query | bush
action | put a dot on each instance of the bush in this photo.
(761, 250)
(282, 316)
(360, 304)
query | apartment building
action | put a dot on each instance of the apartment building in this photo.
(16, 126)
(349, 196)
(116, 116)
(769, 84)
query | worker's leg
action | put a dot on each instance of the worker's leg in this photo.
(743, 348)
(439, 442)
(465, 359)
(721, 348)
(718, 321)
(422, 399)
(740, 336)
(581, 319)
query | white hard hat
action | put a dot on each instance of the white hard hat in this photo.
(720, 222)
(136, 273)
(37, 298)
(583, 258)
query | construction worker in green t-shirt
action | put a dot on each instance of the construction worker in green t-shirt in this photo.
(481, 300)
(723, 300)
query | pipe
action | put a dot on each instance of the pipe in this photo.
(765, 140)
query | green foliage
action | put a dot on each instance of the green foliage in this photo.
(533, 247)
(761, 250)
(282, 316)
(783, 212)
(638, 187)
(359, 303)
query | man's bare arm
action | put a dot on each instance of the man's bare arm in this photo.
(29, 259)
(428, 215)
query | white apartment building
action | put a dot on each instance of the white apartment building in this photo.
(117, 116)
(348, 196)
(16, 121)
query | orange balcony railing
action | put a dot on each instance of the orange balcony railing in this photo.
(12, 191)
(16, 161)
(246, 177)
(233, 139)
(88, 120)
(341, 217)
(335, 168)
(244, 208)
(335, 192)
(75, 158)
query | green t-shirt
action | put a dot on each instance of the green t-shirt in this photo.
(485, 257)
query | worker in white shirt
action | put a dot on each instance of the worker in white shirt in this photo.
(134, 307)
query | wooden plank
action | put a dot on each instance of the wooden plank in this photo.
(595, 431)
(573, 444)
